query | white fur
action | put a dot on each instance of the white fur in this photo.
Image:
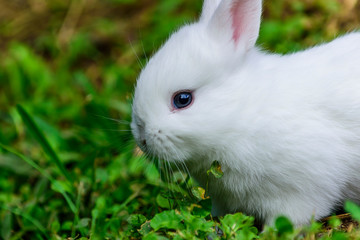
(286, 129)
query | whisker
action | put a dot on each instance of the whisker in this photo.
(166, 163)
(182, 175)
(114, 130)
(173, 190)
(114, 120)
(147, 59)
(161, 170)
(143, 49)
(179, 157)
(186, 170)
(137, 56)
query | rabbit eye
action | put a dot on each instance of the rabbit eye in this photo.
(182, 100)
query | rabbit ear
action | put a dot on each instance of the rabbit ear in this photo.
(238, 20)
(209, 7)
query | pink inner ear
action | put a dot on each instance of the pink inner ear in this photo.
(237, 21)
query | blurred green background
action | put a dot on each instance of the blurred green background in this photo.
(71, 65)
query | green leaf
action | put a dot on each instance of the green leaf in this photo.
(247, 233)
(353, 209)
(334, 222)
(196, 223)
(232, 223)
(215, 170)
(83, 223)
(164, 202)
(136, 220)
(203, 208)
(13, 163)
(315, 227)
(284, 225)
(154, 236)
(55, 226)
(340, 236)
(145, 228)
(213, 236)
(199, 193)
(67, 225)
(39, 136)
(200, 224)
(168, 220)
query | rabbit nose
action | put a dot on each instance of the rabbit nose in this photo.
(138, 128)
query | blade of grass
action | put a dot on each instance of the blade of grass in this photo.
(39, 136)
(35, 222)
(56, 184)
(78, 205)
(95, 215)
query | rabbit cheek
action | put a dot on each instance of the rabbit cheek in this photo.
(164, 146)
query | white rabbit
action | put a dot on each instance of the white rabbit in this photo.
(285, 129)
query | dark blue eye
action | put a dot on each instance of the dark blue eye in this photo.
(182, 100)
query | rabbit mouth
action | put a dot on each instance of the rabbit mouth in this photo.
(158, 143)
(165, 147)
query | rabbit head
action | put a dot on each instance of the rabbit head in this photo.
(184, 100)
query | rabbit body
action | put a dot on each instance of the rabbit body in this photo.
(285, 129)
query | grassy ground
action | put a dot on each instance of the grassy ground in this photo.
(68, 168)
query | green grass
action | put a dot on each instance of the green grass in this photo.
(68, 164)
